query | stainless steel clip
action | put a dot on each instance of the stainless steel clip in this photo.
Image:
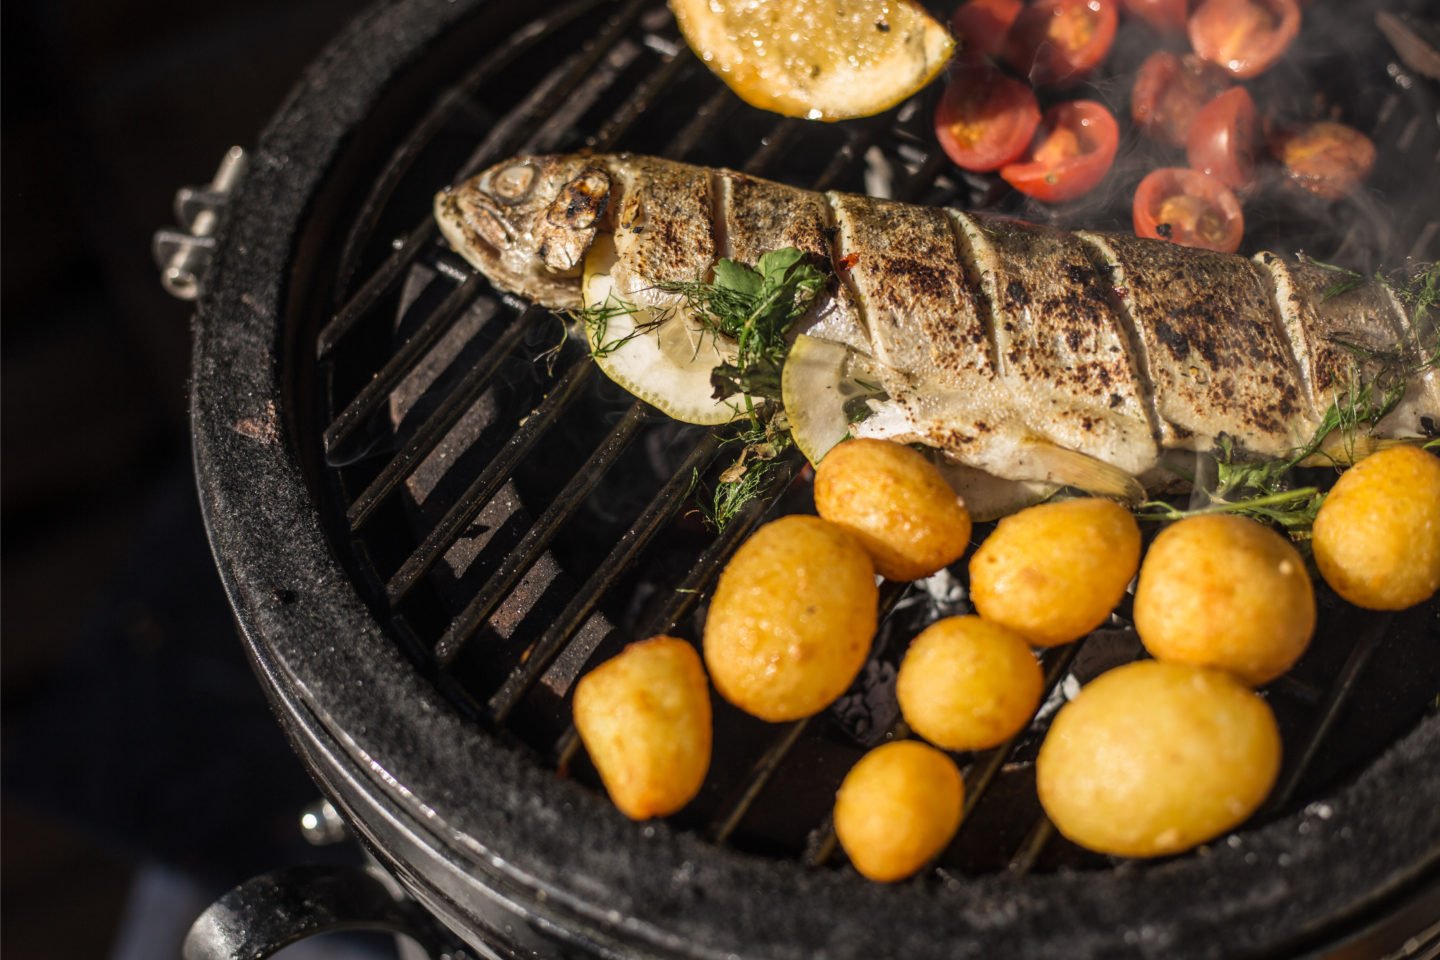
(183, 254)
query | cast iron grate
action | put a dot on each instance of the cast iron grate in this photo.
(513, 516)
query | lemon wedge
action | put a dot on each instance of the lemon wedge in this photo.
(817, 59)
(664, 358)
(819, 379)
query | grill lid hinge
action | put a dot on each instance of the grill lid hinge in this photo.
(183, 255)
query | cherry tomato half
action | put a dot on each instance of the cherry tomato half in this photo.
(1058, 42)
(981, 25)
(1071, 154)
(985, 119)
(1169, 91)
(1222, 138)
(1329, 159)
(1163, 15)
(1188, 208)
(1245, 37)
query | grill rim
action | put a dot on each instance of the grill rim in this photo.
(572, 857)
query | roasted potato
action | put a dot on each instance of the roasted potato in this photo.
(898, 808)
(1053, 572)
(1153, 758)
(1377, 536)
(644, 717)
(897, 505)
(967, 684)
(792, 619)
(1227, 592)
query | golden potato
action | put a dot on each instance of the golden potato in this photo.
(1153, 758)
(644, 717)
(1227, 592)
(1053, 572)
(897, 505)
(1377, 536)
(792, 619)
(966, 684)
(898, 808)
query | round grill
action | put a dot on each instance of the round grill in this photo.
(432, 512)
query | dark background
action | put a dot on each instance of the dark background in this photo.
(142, 773)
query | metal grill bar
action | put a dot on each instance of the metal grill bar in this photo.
(548, 101)
(1034, 844)
(1335, 700)
(433, 122)
(671, 68)
(660, 509)
(369, 294)
(442, 420)
(444, 534)
(538, 537)
(701, 575)
(720, 104)
(459, 400)
(774, 145)
(550, 96)
(377, 390)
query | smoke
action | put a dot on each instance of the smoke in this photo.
(1340, 67)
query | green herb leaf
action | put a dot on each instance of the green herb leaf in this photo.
(735, 276)
(754, 307)
(763, 439)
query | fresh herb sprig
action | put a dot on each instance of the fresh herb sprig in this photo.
(754, 307)
(1266, 489)
(596, 320)
(762, 440)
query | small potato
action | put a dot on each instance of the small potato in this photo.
(1377, 536)
(644, 717)
(1052, 573)
(1153, 758)
(792, 618)
(898, 808)
(896, 503)
(967, 684)
(1227, 592)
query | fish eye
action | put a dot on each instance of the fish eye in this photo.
(513, 183)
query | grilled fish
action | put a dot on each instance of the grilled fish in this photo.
(1027, 353)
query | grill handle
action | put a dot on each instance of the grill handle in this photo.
(269, 912)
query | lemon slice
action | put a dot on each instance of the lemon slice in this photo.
(818, 59)
(664, 359)
(819, 378)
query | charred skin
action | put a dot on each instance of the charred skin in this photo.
(1015, 349)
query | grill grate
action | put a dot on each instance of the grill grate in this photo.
(422, 481)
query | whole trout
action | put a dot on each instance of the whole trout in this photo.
(1028, 353)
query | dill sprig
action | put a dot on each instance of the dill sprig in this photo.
(763, 439)
(596, 320)
(754, 307)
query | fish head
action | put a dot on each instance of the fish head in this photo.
(526, 223)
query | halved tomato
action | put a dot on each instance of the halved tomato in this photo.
(985, 119)
(1222, 138)
(1165, 15)
(1245, 37)
(1058, 42)
(1169, 91)
(1189, 208)
(1329, 159)
(980, 26)
(1071, 154)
